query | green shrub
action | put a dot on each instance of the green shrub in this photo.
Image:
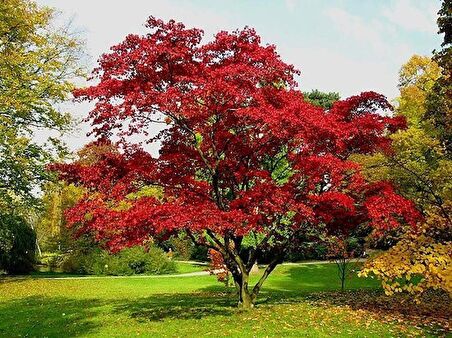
(182, 248)
(199, 253)
(51, 260)
(17, 245)
(135, 260)
(70, 263)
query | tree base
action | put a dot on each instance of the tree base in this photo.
(245, 305)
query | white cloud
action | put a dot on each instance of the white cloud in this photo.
(105, 23)
(358, 29)
(291, 4)
(332, 70)
(419, 16)
(368, 55)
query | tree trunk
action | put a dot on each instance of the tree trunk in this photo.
(239, 269)
(246, 299)
(38, 248)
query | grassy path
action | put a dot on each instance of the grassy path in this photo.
(195, 268)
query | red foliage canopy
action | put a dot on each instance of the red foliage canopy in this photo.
(241, 151)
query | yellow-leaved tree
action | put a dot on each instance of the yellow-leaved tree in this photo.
(39, 62)
(421, 168)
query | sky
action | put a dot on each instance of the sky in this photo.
(345, 46)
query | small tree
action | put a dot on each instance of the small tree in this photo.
(342, 252)
(242, 158)
(420, 261)
(218, 268)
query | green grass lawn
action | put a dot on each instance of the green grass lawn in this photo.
(186, 267)
(297, 301)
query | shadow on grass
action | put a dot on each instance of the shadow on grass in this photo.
(37, 275)
(315, 285)
(40, 316)
(295, 283)
(432, 304)
(180, 306)
(433, 313)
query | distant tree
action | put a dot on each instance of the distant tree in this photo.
(418, 165)
(244, 159)
(439, 101)
(51, 229)
(321, 99)
(38, 63)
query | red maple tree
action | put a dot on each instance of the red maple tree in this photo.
(245, 164)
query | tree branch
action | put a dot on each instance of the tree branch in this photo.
(267, 272)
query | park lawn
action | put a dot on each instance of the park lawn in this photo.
(297, 300)
(187, 267)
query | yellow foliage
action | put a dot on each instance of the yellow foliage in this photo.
(419, 71)
(421, 260)
(57, 198)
